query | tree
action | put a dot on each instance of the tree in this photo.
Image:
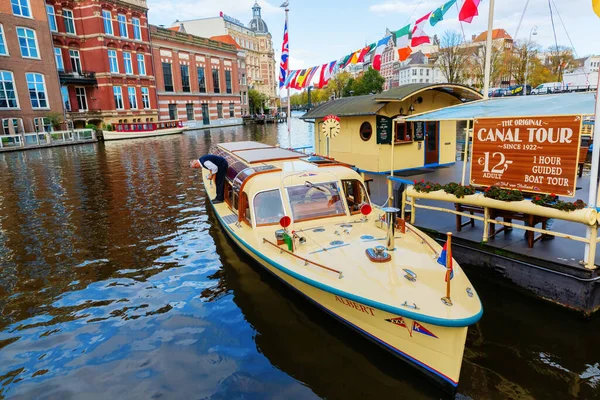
(338, 82)
(257, 100)
(477, 66)
(369, 82)
(558, 60)
(452, 58)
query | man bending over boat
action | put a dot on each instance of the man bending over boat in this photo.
(218, 170)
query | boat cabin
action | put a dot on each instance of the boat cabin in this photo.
(264, 183)
(375, 135)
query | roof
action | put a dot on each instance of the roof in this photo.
(178, 28)
(517, 106)
(226, 39)
(417, 58)
(372, 103)
(496, 34)
(346, 107)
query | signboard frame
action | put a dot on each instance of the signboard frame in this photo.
(527, 153)
(384, 134)
(418, 137)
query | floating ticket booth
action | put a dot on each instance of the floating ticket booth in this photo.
(370, 124)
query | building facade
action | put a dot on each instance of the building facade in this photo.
(102, 53)
(29, 88)
(418, 68)
(582, 73)
(254, 39)
(389, 55)
(196, 78)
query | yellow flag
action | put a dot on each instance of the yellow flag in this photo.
(596, 6)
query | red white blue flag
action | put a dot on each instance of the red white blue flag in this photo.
(417, 327)
(285, 54)
(442, 260)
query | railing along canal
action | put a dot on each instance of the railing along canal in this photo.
(43, 139)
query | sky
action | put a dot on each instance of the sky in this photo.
(325, 30)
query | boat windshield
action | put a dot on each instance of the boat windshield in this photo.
(312, 201)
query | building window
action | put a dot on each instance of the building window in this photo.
(145, 98)
(427, 72)
(3, 49)
(219, 110)
(127, 63)
(12, 126)
(118, 95)
(42, 124)
(51, 18)
(8, 94)
(81, 98)
(137, 31)
(141, 61)
(132, 98)
(69, 22)
(21, 8)
(228, 82)
(122, 25)
(414, 72)
(27, 43)
(113, 62)
(107, 19)
(215, 77)
(168, 77)
(173, 112)
(37, 90)
(64, 93)
(231, 110)
(75, 61)
(201, 80)
(189, 110)
(185, 78)
(366, 131)
(59, 60)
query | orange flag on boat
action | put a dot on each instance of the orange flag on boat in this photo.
(596, 6)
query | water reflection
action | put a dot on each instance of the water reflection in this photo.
(116, 281)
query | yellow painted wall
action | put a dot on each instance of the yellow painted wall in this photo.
(350, 148)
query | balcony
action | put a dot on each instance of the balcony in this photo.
(77, 78)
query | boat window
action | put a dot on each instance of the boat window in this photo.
(366, 131)
(268, 208)
(245, 209)
(312, 201)
(355, 193)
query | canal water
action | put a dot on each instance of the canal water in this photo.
(117, 283)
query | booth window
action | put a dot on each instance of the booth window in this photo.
(404, 132)
(366, 131)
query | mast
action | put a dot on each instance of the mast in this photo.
(488, 51)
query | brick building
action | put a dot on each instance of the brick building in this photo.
(29, 88)
(102, 52)
(388, 57)
(196, 78)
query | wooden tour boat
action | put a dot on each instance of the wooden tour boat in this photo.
(143, 130)
(309, 221)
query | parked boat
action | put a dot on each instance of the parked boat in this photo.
(309, 221)
(143, 130)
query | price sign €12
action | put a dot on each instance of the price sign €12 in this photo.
(499, 158)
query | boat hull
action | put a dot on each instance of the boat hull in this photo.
(114, 135)
(435, 350)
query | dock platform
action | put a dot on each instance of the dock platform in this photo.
(551, 269)
(42, 140)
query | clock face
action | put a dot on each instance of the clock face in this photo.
(331, 127)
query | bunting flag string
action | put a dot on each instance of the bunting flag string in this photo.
(404, 39)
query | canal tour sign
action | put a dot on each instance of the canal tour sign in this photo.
(532, 154)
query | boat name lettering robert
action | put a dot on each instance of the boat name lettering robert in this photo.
(357, 306)
(533, 135)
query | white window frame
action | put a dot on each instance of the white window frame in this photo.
(21, 8)
(124, 23)
(12, 76)
(72, 18)
(36, 47)
(78, 95)
(118, 91)
(107, 22)
(74, 55)
(51, 18)
(141, 64)
(116, 58)
(19, 123)
(59, 59)
(45, 90)
(3, 39)
(145, 98)
(137, 28)
(132, 95)
(127, 64)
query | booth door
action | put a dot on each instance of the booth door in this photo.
(432, 145)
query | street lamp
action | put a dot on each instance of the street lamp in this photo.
(533, 32)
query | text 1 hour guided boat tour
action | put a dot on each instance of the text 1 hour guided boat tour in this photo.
(309, 221)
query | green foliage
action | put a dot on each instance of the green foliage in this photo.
(427, 187)
(552, 201)
(55, 119)
(459, 190)
(107, 127)
(257, 100)
(369, 82)
(90, 126)
(497, 193)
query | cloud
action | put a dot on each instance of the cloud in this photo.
(403, 7)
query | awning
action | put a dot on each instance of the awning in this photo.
(517, 106)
